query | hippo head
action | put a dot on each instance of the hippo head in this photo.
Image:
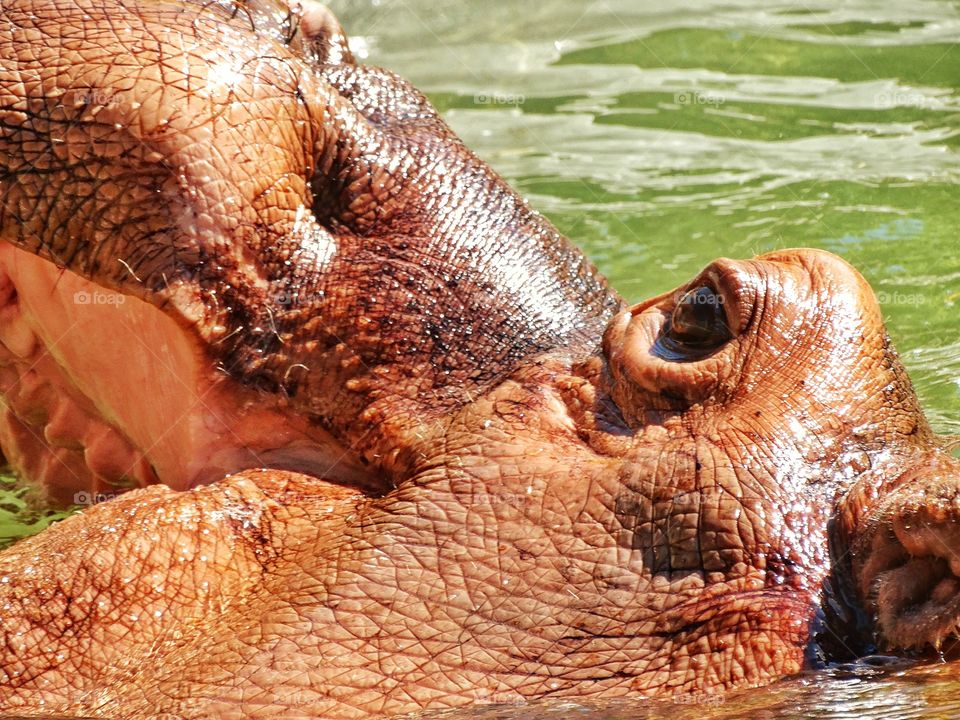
(401, 445)
(768, 391)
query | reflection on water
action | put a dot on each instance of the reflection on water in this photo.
(662, 135)
(895, 692)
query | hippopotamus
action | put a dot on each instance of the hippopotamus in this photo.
(372, 437)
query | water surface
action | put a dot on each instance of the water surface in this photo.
(861, 692)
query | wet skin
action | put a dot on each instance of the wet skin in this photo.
(402, 447)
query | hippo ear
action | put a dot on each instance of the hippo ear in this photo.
(906, 558)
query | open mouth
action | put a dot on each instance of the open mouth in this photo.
(101, 391)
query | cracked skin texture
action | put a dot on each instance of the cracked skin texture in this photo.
(549, 494)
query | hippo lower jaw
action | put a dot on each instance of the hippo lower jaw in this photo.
(68, 422)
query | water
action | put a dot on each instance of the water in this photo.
(661, 135)
(861, 693)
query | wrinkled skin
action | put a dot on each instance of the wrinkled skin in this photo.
(488, 480)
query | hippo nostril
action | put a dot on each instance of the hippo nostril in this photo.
(914, 576)
(915, 602)
(698, 318)
(697, 326)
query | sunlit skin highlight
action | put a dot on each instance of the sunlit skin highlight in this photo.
(396, 444)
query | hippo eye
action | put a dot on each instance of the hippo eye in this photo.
(698, 321)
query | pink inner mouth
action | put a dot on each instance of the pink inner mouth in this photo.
(101, 391)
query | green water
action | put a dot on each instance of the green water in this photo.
(661, 135)
(18, 516)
